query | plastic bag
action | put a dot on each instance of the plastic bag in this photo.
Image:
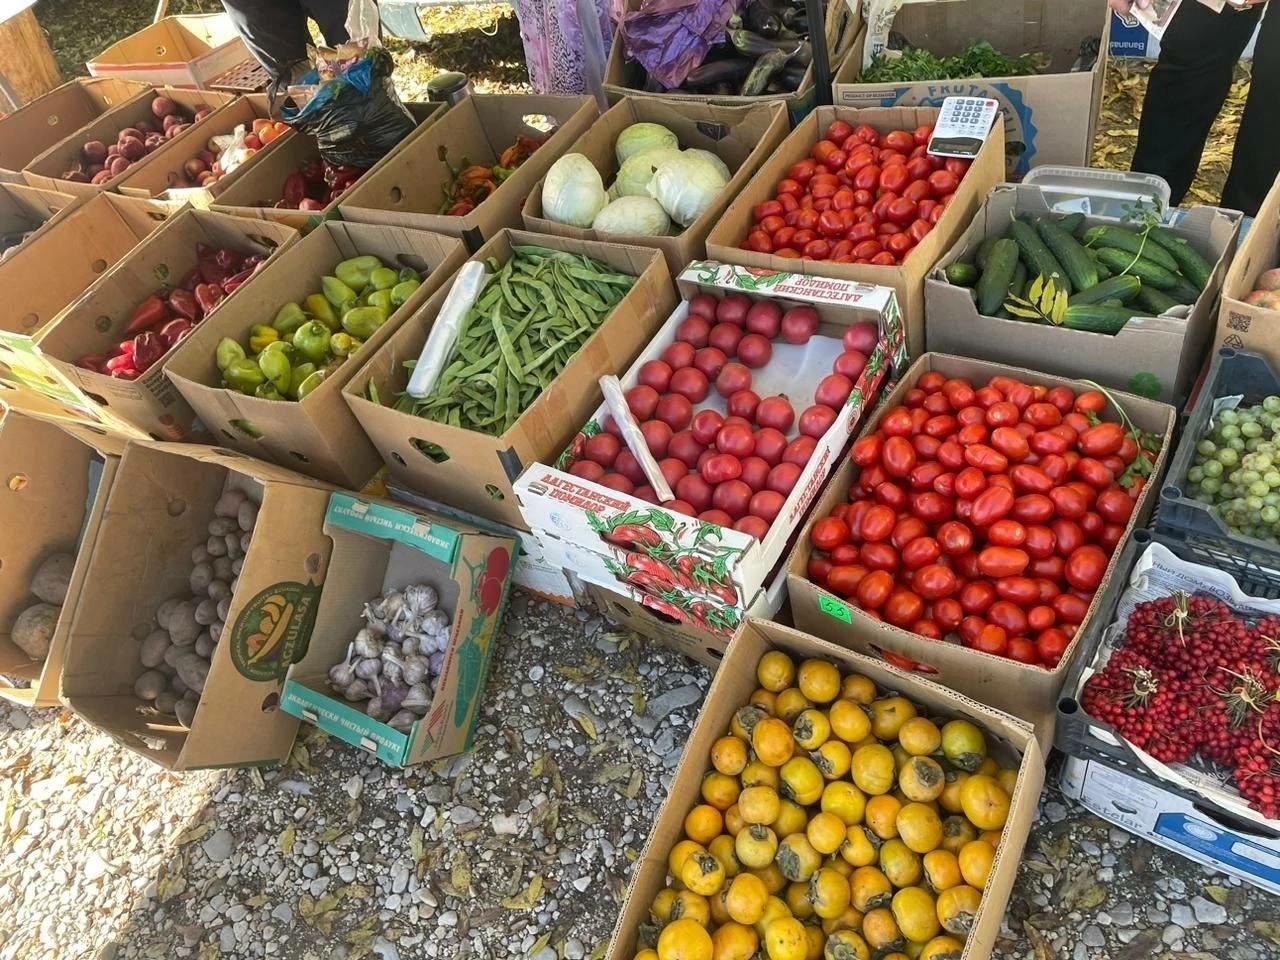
(355, 117)
(670, 38)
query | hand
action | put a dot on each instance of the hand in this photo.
(1125, 6)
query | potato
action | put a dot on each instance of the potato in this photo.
(206, 612)
(204, 644)
(224, 568)
(150, 685)
(172, 654)
(224, 608)
(228, 504)
(218, 590)
(245, 540)
(200, 555)
(166, 608)
(52, 578)
(153, 648)
(201, 577)
(216, 629)
(33, 630)
(247, 516)
(185, 711)
(193, 669)
(166, 702)
(183, 626)
(234, 549)
(236, 566)
(221, 526)
(217, 547)
(177, 686)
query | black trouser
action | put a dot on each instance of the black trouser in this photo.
(1186, 92)
(275, 31)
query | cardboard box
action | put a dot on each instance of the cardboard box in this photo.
(1155, 357)
(318, 436)
(1049, 118)
(1246, 326)
(1172, 822)
(159, 509)
(575, 519)
(626, 78)
(378, 547)
(156, 180)
(407, 190)
(256, 192)
(44, 122)
(174, 51)
(741, 136)
(57, 477)
(95, 323)
(1029, 692)
(732, 687)
(48, 168)
(475, 471)
(23, 211)
(535, 572)
(907, 280)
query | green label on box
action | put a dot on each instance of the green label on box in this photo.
(834, 608)
(389, 522)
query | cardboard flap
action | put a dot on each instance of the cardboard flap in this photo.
(170, 40)
(43, 122)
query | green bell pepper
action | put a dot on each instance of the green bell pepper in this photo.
(363, 322)
(312, 341)
(403, 290)
(337, 293)
(321, 309)
(284, 346)
(267, 391)
(383, 278)
(275, 366)
(313, 380)
(296, 378)
(261, 337)
(342, 344)
(244, 376)
(227, 353)
(382, 300)
(288, 319)
(355, 273)
(407, 273)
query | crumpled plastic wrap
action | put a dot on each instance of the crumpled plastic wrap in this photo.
(670, 38)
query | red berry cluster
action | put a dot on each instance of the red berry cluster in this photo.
(1194, 678)
(735, 470)
(989, 512)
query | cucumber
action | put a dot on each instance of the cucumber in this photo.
(1184, 291)
(1040, 259)
(1155, 301)
(1073, 223)
(984, 252)
(961, 274)
(1123, 289)
(993, 285)
(1018, 285)
(1152, 274)
(1095, 318)
(1193, 266)
(1118, 238)
(1080, 268)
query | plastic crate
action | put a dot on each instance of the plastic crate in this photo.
(1076, 733)
(1204, 535)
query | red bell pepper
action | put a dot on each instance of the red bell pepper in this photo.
(151, 312)
(125, 373)
(120, 361)
(94, 361)
(232, 284)
(313, 171)
(173, 332)
(183, 304)
(295, 188)
(208, 296)
(147, 349)
(190, 279)
(229, 260)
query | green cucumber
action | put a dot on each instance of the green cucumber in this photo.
(1122, 262)
(993, 285)
(1123, 289)
(1155, 301)
(1184, 291)
(1193, 266)
(1095, 318)
(1080, 268)
(1040, 259)
(961, 274)
(1073, 223)
(1118, 238)
(1018, 285)
(984, 252)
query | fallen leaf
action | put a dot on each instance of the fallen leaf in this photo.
(611, 772)
(1039, 946)
(209, 951)
(1141, 947)
(460, 875)
(1267, 928)
(588, 725)
(300, 757)
(526, 900)
(256, 902)
(287, 838)
(535, 769)
(1217, 894)
(632, 789)
(416, 846)
(538, 944)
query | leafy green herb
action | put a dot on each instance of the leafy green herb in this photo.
(978, 59)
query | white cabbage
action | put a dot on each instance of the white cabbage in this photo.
(719, 164)
(639, 216)
(685, 186)
(640, 137)
(573, 192)
(634, 175)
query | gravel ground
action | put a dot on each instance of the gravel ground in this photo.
(521, 849)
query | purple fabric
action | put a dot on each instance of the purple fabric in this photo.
(670, 38)
(555, 43)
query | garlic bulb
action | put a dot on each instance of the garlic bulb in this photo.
(421, 598)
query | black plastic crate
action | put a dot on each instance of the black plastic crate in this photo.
(1072, 734)
(1205, 537)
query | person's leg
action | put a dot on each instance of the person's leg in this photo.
(331, 17)
(1186, 91)
(275, 32)
(1256, 163)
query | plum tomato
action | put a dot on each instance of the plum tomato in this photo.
(1086, 567)
(1002, 561)
(874, 590)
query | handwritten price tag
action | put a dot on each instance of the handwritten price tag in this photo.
(834, 608)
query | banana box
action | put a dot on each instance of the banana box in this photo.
(382, 548)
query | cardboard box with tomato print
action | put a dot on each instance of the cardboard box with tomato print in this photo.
(702, 573)
(379, 547)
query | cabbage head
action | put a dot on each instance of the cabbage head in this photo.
(640, 137)
(638, 216)
(573, 192)
(716, 161)
(686, 186)
(635, 173)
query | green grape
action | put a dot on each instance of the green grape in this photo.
(1206, 447)
(1195, 475)
(1236, 444)
(1213, 468)
(1271, 404)
(1229, 431)
(1229, 417)
(1270, 514)
(1210, 485)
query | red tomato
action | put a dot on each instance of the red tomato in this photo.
(1102, 441)
(919, 229)
(1007, 533)
(1002, 561)
(879, 556)
(758, 242)
(970, 483)
(932, 507)
(944, 484)
(770, 208)
(943, 182)
(976, 596)
(906, 530)
(1039, 541)
(1008, 615)
(894, 177)
(991, 505)
(790, 185)
(1051, 644)
(877, 523)
(900, 244)
(1010, 443)
(900, 140)
(947, 613)
(933, 582)
(1115, 506)
(992, 639)
(1085, 567)
(874, 589)
(867, 249)
(898, 457)
(868, 178)
(922, 135)
(1094, 472)
(955, 538)
(903, 608)
(1069, 608)
(844, 580)
(1068, 502)
(1069, 536)
(957, 166)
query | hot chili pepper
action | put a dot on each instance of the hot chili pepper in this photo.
(173, 332)
(183, 304)
(147, 349)
(243, 375)
(312, 341)
(288, 319)
(260, 337)
(320, 309)
(227, 353)
(208, 296)
(149, 313)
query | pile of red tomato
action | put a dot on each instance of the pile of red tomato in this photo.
(734, 469)
(988, 512)
(859, 197)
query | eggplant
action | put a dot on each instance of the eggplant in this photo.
(769, 63)
(792, 74)
(753, 45)
(759, 17)
(715, 72)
